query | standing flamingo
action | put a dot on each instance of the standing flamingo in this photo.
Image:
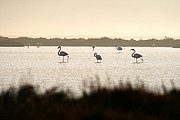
(62, 53)
(98, 57)
(93, 46)
(136, 55)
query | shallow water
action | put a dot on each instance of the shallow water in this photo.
(43, 67)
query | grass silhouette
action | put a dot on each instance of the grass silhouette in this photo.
(120, 103)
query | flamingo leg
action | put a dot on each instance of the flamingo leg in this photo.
(142, 59)
(63, 58)
(136, 60)
(67, 59)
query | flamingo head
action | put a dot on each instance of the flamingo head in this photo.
(133, 49)
(95, 54)
(59, 47)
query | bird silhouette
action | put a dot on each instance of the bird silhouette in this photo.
(38, 45)
(136, 55)
(93, 46)
(98, 57)
(119, 48)
(62, 53)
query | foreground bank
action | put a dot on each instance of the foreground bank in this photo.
(123, 102)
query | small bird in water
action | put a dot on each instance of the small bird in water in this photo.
(136, 55)
(98, 57)
(119, 48)
(62, 53)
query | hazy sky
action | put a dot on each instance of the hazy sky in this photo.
(90, 18)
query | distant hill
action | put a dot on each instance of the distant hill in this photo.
(176, 46)
(103, 41)
(6, 42)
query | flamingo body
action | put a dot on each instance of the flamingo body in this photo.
(136, 55)
(119, 48)
(62, 53)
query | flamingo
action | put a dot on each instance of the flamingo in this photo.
(62, 53)
(28, 45)
(119, 48)
(98, 57)
(38, 45)
(136, 55)
(93, 46)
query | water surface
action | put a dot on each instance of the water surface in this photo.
(43, 67)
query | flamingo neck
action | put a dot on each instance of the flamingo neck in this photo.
(133, 54)
(59, 51)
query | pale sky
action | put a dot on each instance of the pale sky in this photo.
(90, 18)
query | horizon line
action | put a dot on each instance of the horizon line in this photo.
(87, 37)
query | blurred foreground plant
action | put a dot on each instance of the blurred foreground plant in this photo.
(121, 102)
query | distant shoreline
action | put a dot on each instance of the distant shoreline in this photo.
(87, 46)
(103, 41)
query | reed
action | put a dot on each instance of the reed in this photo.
(122, 102)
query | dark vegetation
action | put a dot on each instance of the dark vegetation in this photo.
(103, 41)
(176, 46)
(119, 103)
(6, 42)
